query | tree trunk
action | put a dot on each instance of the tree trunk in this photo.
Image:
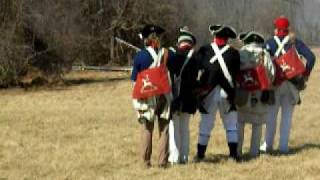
(111, 47)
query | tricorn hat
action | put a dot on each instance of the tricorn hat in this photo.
(149, 29)
(221, 30)
(251, 36)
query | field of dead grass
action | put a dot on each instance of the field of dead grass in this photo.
(87, 130)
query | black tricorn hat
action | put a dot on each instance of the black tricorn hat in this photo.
(221, 30)
(251, 36)
(149, 29)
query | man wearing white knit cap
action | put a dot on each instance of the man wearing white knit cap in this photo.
(183, 75)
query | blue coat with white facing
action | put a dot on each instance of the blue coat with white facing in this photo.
(143, 61)
(272, 46)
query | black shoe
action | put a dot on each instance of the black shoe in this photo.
(233, 151)
(197, 159)
(200, 153)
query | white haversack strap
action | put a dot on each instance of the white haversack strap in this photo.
(156, 57)
(218, 53)
(186, 61)
(172, 49)
(218, 56)
(281, 45)
(178, 79)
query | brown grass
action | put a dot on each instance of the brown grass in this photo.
(90, 132)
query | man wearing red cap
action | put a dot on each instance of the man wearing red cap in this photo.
(282, 26)
(286, 92)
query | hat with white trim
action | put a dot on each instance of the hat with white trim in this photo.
(224, 31)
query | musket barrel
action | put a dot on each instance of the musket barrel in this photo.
(121, 41)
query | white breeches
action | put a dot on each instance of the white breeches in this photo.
(285, 102)
(256, 121)
(207, 120)
(147, 108)
(179, 138)
(255, 138)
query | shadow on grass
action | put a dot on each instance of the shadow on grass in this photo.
(75, 82)
(65, 84)
(276, 153)
(305, 147)
(216, 158)
(224, 157)
(246, 157)
(297, 149)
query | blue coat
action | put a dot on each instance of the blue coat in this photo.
(302, 49)
(143, 61)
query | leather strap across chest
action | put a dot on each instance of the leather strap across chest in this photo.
(177, 79)
(156, 57)
(218, 57)
(281, 45)
(186, 61)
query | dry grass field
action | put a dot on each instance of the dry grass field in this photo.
(87, 130)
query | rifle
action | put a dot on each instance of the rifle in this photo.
(121, 41)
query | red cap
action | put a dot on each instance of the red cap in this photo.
(281, 23)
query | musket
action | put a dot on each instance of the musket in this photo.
(121, 41)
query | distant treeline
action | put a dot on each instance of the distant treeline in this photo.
(43, 38)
